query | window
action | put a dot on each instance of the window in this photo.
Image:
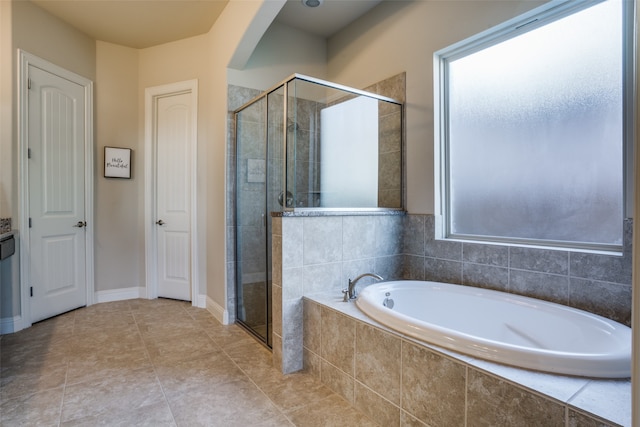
(531, 122)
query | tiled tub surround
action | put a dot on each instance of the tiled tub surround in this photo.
(401, 382)
(597, 283)
(315, 256)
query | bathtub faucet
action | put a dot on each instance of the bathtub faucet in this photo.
(350, 293)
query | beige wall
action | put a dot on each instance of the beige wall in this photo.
(7, 154)
(118, 214)
(44, 35)
(402, 36)
(27, 27)
(170, 63)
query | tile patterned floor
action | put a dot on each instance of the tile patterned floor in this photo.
(156, 363)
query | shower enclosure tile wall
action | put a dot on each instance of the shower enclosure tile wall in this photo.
(390, 191)
(303, 127)
(319, 255)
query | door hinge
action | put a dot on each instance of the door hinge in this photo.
(29, 83)
(29, 222)
(28, 153)
(31, 291)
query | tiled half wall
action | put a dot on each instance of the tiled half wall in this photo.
(319, 254)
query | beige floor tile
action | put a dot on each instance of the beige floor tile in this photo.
(45, 351)
(156, 415)
(294, 391)
(57, 327)
(249, 352)
(156, 363)
(169, 327)
(41, 408)
(170, 350)
(199, 313)
(106, 341)
(31, 377)
(121, 393)
(161, 308)
(330, 412)
(202, 374)
(103, 321)
(229, 335)
(235, 403)
(111, 311)
(96, 366)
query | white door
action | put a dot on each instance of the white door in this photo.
(173, 139)
(56, 165)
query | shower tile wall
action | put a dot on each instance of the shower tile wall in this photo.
(597, 283)
(319, 254)
(303, 128)
(390, 175)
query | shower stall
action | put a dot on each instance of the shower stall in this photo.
(307, 144)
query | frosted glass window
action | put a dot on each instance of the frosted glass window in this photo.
(534, 134)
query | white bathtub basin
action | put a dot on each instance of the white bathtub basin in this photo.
(503, 327)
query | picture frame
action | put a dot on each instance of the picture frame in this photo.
(117, 162)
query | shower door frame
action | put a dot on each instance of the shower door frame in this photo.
(266, 340)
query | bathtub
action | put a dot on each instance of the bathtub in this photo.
(502, 327)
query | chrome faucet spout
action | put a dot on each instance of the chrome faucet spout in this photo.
(350, 292)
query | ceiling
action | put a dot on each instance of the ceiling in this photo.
(327, 19)
(145, 23)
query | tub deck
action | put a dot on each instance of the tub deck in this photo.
(607, 399)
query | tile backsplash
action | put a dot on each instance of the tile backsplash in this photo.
(597, 283)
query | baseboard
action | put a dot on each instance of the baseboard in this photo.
(9, 325)
(120, 294)
(218, 311)
(201, 301)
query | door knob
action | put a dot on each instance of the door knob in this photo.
(160, 222)
(81, 224)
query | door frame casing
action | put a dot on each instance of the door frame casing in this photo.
(151, 95)
(25, 60)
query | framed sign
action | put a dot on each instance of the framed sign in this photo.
(117, 162)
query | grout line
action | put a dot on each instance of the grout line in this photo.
(153, 367)
(66, 374)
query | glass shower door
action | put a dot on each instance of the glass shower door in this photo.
(253, 290)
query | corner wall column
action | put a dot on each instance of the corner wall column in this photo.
(287, 294)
